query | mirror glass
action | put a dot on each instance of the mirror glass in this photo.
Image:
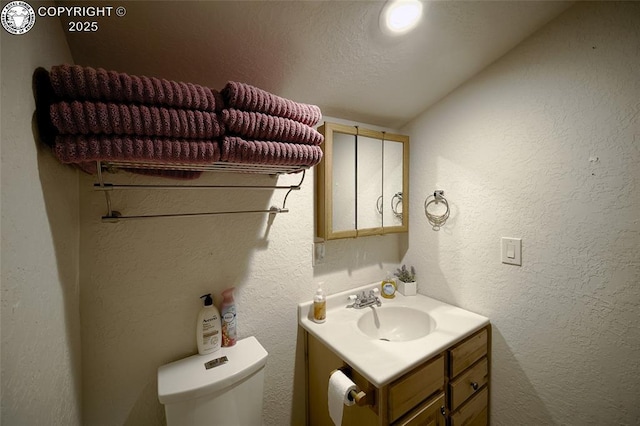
(392, 197)
(361, 183)
(344, 182)
(369, 182)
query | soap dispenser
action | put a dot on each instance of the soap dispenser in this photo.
(208, 327)
(388, 287)
(319, 305)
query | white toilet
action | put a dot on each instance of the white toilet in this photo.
(228, 393)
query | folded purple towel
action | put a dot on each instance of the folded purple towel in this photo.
(120, 119)
(236, 150)
(86, 83)
(249, 98)
(255, 125)
(83, 148)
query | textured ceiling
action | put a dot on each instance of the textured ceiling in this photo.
(329, 53)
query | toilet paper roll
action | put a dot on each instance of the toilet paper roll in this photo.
(338, 395)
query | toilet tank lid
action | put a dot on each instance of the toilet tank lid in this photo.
(188, 378)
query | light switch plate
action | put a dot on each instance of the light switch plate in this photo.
(511, 250)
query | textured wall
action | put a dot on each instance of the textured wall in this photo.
(40, 231)
(141, 282)
(544, 145)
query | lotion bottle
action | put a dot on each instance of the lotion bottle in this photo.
(208, 333)
(319, 305)
(228, 311)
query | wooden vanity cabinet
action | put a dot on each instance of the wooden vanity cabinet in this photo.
(415, 387)
(321, 362)
(450, 389)
(430, 413)
(468, 373)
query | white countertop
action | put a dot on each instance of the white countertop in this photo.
(379, 361)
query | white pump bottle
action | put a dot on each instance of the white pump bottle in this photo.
(208, 330)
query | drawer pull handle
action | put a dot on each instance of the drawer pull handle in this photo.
(474, 385)
(443, 411)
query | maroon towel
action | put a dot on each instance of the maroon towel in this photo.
(81, 148)
(86, 83)
(237, 150)
(255, 125)
(249, 98)
(120, 119)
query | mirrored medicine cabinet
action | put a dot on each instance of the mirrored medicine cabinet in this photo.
(362, 183)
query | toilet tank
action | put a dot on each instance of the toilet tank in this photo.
(224, 388)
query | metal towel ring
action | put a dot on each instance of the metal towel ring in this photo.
(379, 204)
(436, 221)
(396, 201)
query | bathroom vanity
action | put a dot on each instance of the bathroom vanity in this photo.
(438, 375)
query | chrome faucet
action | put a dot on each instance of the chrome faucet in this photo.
(363, 300)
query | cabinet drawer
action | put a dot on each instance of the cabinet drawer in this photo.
(415, 387)
(474, 412)
(427, 414)
(468, 352)
(468, 383)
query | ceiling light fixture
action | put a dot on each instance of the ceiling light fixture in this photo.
(400, 16)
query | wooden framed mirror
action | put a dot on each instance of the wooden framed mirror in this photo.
(362, 183)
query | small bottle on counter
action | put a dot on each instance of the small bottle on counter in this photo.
(388, 287)
(319, 305)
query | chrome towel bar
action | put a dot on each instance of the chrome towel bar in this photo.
(113, 216)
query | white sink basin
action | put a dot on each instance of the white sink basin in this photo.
(382, 343)
(396, 323)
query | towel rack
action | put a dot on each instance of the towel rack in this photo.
(113, 216)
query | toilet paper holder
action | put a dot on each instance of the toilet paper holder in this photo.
(358, 396)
